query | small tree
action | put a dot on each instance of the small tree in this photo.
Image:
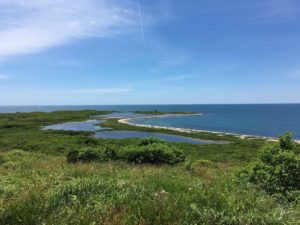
(286, 141)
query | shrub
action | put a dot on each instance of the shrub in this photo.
(92, 154)
(150, 141)
(157, 153)
(90, 141)
(278, 170)
(193, 165)
(110, 154)
(73, 155)
(286, 141)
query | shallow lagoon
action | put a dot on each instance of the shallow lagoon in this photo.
(90, 125)
(166, 137)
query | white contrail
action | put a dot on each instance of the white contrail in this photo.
(141, 22)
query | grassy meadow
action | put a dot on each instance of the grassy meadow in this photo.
(39, 186)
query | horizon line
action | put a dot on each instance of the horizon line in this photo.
(159, 104)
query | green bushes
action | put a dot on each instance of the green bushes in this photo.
(153, 154)
(157, 153)
(286, 141)
(278, 170)
(150, 141)
(73, 155)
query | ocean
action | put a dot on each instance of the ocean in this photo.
(269, 120)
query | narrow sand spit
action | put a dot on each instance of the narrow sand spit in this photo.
(128, 121)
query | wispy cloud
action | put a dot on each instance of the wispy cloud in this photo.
(279, 10)
(169, 79)
(255, 11)
(170, 60)
(175, 78)
(294, 73)
(4, 77)
(166, 64)
(104, 90)
(74, 63)
(141, 21)
(32, 26)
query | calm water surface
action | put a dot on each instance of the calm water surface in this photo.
(263, 120)
(166, 137)
(89, 125)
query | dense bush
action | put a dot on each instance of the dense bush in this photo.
(154, 154)
(286, 141)
(157, 153)
(150, 141)
(73, 155)
(278, 170)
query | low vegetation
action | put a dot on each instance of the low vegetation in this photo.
(42, 189)
(156, 153)
(140, 181)
(278, 170)
(148, 151)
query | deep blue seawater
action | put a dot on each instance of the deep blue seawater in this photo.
(263, 120)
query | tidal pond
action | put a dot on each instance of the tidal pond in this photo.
(166, 137)
(89, 125)
(101, 132)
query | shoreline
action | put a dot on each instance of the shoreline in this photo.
(187, 130)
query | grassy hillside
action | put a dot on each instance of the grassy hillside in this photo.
(39, 186)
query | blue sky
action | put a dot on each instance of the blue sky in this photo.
(149, 52)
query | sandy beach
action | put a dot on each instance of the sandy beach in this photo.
(129, 121)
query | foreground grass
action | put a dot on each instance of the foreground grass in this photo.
(42, 189)
(38, 186)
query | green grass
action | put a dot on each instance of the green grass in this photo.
(39, 186)
(42, 189)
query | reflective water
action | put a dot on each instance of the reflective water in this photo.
(89, 125)
(166, 137)
(264, 120)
